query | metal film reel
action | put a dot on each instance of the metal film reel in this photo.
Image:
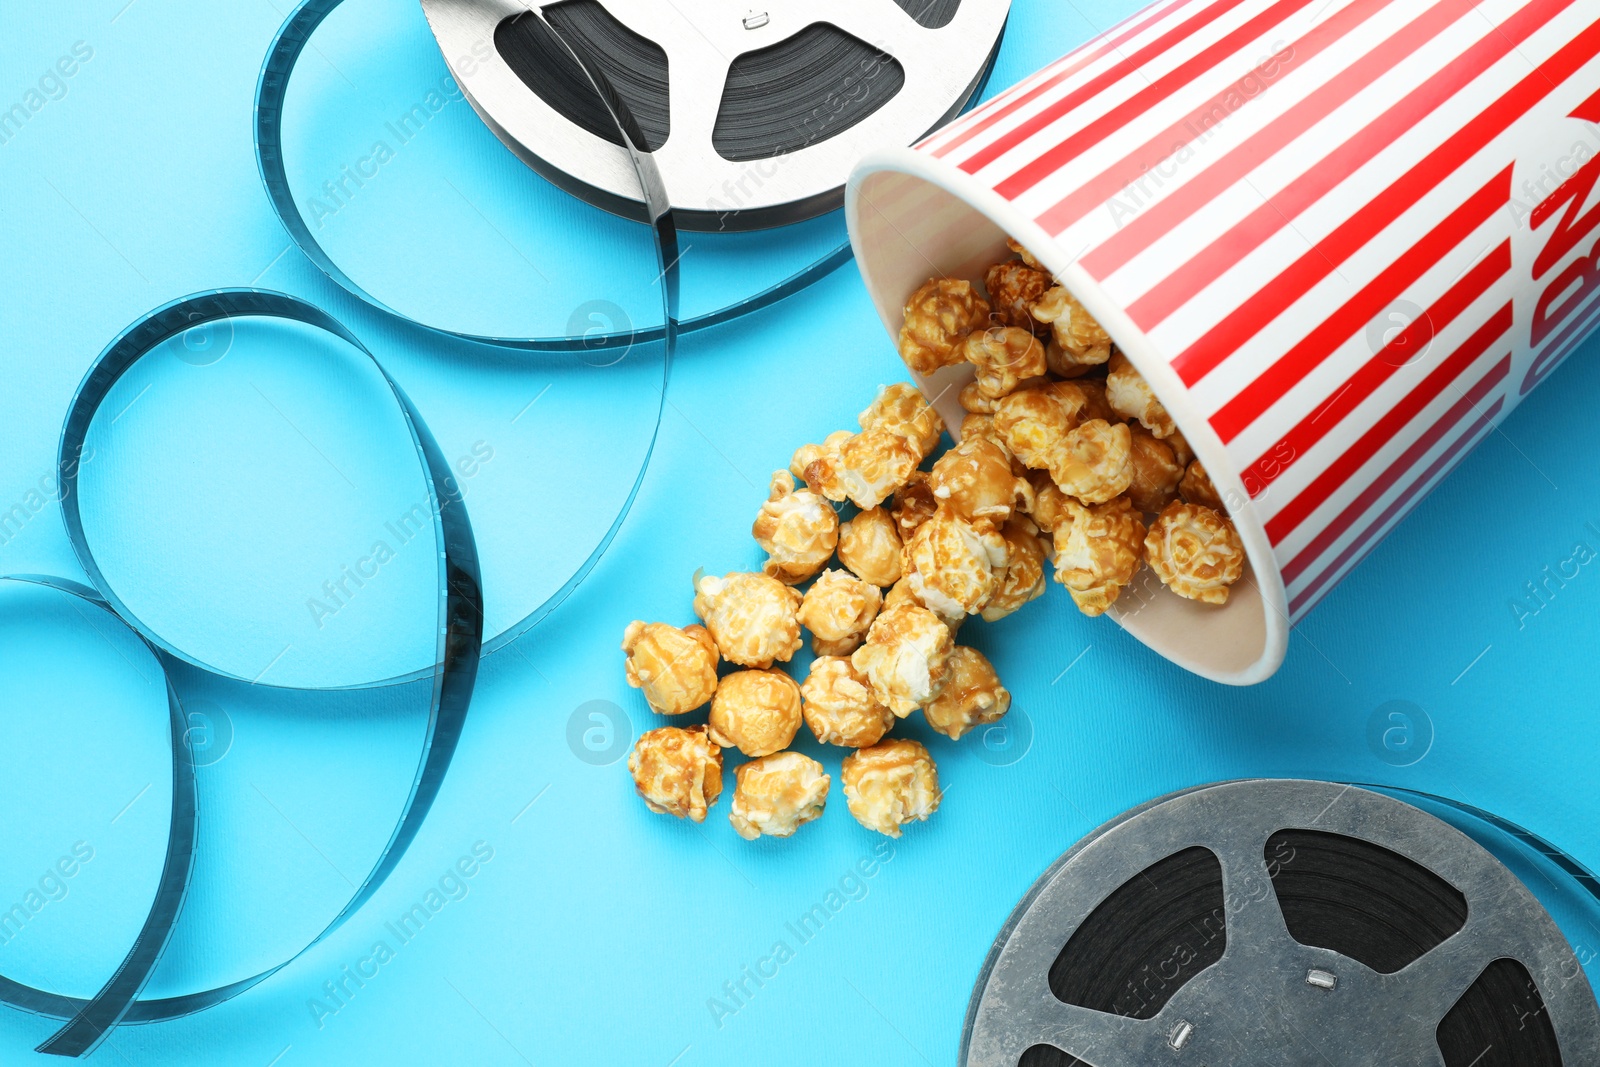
(755, 111)
(1285, 923)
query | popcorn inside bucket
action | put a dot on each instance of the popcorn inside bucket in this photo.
(1010, 341)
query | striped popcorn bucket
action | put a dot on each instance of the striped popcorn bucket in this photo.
(1341, 239)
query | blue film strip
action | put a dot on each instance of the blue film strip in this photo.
(460, 641)
(458, 650)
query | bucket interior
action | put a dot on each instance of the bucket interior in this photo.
(906, 229)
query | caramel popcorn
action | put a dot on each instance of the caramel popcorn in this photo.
(1023, 579)
(751, 617)
(1061, 363)
(914, 504)
(1098, 550)
(1095, 405)
(1196, 488)
(954, 565)
(756, 712)
(1195, 552)
(1004, 356)
(837, 609)
(798, 530)
(1034, 422)
(1027, 257)
(890, 784)
(1080, 340)
(1132, 398)
(1049, 502)
(977, 424)
(868, 467)
(974, 480)
(839, 706)
(806, 455)
(973, 697)
(777, 794)
(974, 401)
(1094, 461)
(1014, 287)
(902, 409)
(905, 658)
(870, 546)
(902, 593)
(1180, 448)
(1156, 472)
(678, 771)
(677, 669)
(937, 317)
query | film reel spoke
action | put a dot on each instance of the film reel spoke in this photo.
(1255, 921)
(1432, 985)
(1043, 1021)
(695, 110)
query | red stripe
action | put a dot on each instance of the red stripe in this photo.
(1403, 505)
(1100, 83)
(1381, 367)
(1091, 50)
(1342, 469)
(1293, 367)
(1322, 178)
(1159, 219)
(1408, 459)
(1177, 136)
(1120, 116)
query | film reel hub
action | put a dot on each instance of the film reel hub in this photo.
(1283, 923)
(755, 111)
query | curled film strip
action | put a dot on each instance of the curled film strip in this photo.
(291, 42)
(272, 91)
(460, 639)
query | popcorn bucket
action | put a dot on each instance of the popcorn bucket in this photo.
(1341, 239)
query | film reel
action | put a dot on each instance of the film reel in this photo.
(1284, 923)
(458, 237)
(756, 114)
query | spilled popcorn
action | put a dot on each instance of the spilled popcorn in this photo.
(1066, 458)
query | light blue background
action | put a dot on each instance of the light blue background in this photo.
(598, 931)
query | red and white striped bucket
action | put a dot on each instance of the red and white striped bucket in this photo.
(1340, 238)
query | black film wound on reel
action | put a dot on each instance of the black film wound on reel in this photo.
(798, 92)
(636, 67)
(1244, 924)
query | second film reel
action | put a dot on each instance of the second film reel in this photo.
(1287, 923)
